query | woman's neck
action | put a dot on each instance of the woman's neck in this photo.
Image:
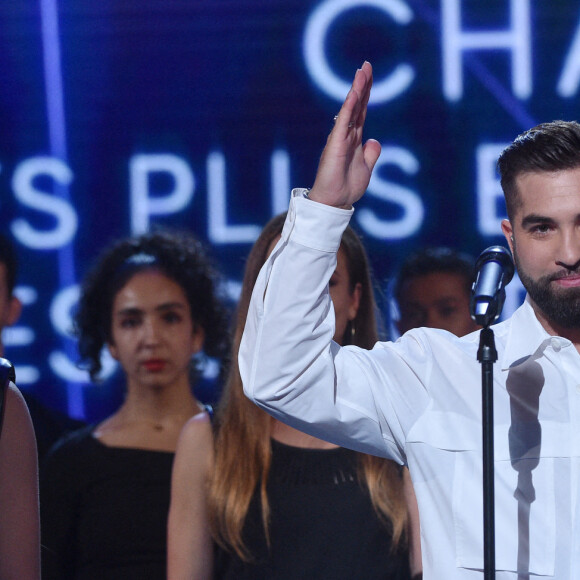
(156, 403)
(149, 419)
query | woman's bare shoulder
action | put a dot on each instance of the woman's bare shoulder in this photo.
(197, 429)
(194, 454)
(17, 422)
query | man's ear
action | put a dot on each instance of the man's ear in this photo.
(508, 232)
(14, 311)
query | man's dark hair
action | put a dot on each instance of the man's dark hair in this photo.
(8, 258)
(434, 261)
(548, 147)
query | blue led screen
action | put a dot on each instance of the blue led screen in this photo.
(119, 115)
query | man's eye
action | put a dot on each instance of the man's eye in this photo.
(129, 323)
(414, 316)
(448, 312)
(542, 228)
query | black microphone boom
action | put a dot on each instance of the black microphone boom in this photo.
(494, 270)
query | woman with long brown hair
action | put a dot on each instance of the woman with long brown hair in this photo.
(280, 503)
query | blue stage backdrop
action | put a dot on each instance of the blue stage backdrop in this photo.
(117, 115)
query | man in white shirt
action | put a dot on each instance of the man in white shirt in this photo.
(418, 400)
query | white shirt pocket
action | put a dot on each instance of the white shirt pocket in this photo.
(525, 538)
(447, 449)
(524, 530)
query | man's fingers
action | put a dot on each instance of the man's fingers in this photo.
(371, 153)
(353, 111)
(342, 121)
(368, 71)
(360, 81)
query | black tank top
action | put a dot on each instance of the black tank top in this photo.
(322, 524)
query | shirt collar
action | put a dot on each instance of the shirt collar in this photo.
(526, 338)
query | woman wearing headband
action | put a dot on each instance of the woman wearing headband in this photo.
(151, 301)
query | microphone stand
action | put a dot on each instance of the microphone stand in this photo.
(494, 269)
(487, 356)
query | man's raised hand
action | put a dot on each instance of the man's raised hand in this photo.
(346, 164)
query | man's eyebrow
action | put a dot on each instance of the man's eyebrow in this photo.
(533, 219)
(447, 300)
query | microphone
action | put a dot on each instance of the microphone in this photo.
(494, 270)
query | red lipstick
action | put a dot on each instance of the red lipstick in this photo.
(154, 365)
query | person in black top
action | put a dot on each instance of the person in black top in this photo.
(152, 301)
(283, 504)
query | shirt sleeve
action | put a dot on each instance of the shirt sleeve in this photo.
(291, 367)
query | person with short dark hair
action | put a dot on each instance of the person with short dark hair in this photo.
(433, 289)
(153, 302)
(419, 400)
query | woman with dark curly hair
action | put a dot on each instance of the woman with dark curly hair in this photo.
(152, 302)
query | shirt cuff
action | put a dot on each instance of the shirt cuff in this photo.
(315, 225)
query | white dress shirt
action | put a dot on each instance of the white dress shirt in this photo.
(418, 401)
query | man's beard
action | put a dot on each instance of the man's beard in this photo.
(559, 305)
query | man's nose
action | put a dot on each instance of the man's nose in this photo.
(432, 319)
(569, 251)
